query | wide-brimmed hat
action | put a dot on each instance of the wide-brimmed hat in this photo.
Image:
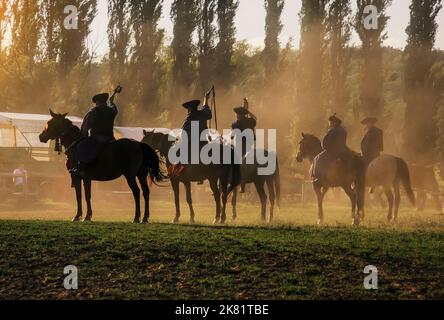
(101, 97)
(369, 120)
(241, 111)
(335, 119)
(191, 104)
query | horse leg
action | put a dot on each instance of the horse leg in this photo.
(175, 186)
(320, 194)
(263, 197)
(136, 193)
(224, 194)
(234, 203)
(389, 195)
(272, 195)
(87, 187)
(189, 200)
(77, 182)
(397, 200)
(353, 198)
(216, 193)
(421, 200)
(146, 196)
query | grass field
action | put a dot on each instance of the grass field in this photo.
(292, 259)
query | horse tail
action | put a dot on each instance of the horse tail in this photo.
(153, 163)
(277, 184)
(403, 175)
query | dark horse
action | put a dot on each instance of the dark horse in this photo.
(125, 157)
(218, 175)
(349, 174)
(249, 174)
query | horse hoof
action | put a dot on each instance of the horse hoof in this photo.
(87, 219)
(145, 221)
(192, 221)
(76, 219)
(216, 221)
(320, 222)
(176, 220)
(136, 221)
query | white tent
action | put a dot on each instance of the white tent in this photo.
(22, 130)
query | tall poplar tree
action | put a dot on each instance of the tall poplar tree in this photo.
(372, 73)
(420, 132)
(273, 28)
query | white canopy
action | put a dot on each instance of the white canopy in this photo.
(22, 130)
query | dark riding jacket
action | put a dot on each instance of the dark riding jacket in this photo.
(244, 124)
(99, 122)
(201, 116)
(335, 141)
(372, 144)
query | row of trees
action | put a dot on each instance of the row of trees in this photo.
(46, 64)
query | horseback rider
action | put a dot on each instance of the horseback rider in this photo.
(245, 121)
(334, 145)
(99, 121)
(372, 144)
(97, 130)
(195, 115)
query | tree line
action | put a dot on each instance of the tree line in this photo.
(44, 64)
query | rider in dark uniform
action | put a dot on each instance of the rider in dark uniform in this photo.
(245, 120)
(334, 145)
(99, 121)
(97, 130)
(373, 142)
(195, 115)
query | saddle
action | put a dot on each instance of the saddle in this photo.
(90, 148)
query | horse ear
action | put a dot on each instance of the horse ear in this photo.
(303, 135)
(145, 133)
(65, 114)
(52, 113)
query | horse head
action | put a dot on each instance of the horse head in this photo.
(309, 147)
(55, 127)
(156, 140)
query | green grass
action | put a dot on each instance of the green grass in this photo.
(165, 261)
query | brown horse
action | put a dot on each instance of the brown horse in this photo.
(249, 174)
(218, 175)
(424, 182)
(125, 157)
(349, 174)
(389, 172)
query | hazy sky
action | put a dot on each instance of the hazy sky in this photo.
(250, 21)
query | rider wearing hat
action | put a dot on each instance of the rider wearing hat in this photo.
(99, 121)
(373, 142)
(334, 145)
(201, 116)
(335, 141)
(97, 131)
(245, 121)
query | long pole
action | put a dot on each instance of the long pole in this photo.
(215, 108)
